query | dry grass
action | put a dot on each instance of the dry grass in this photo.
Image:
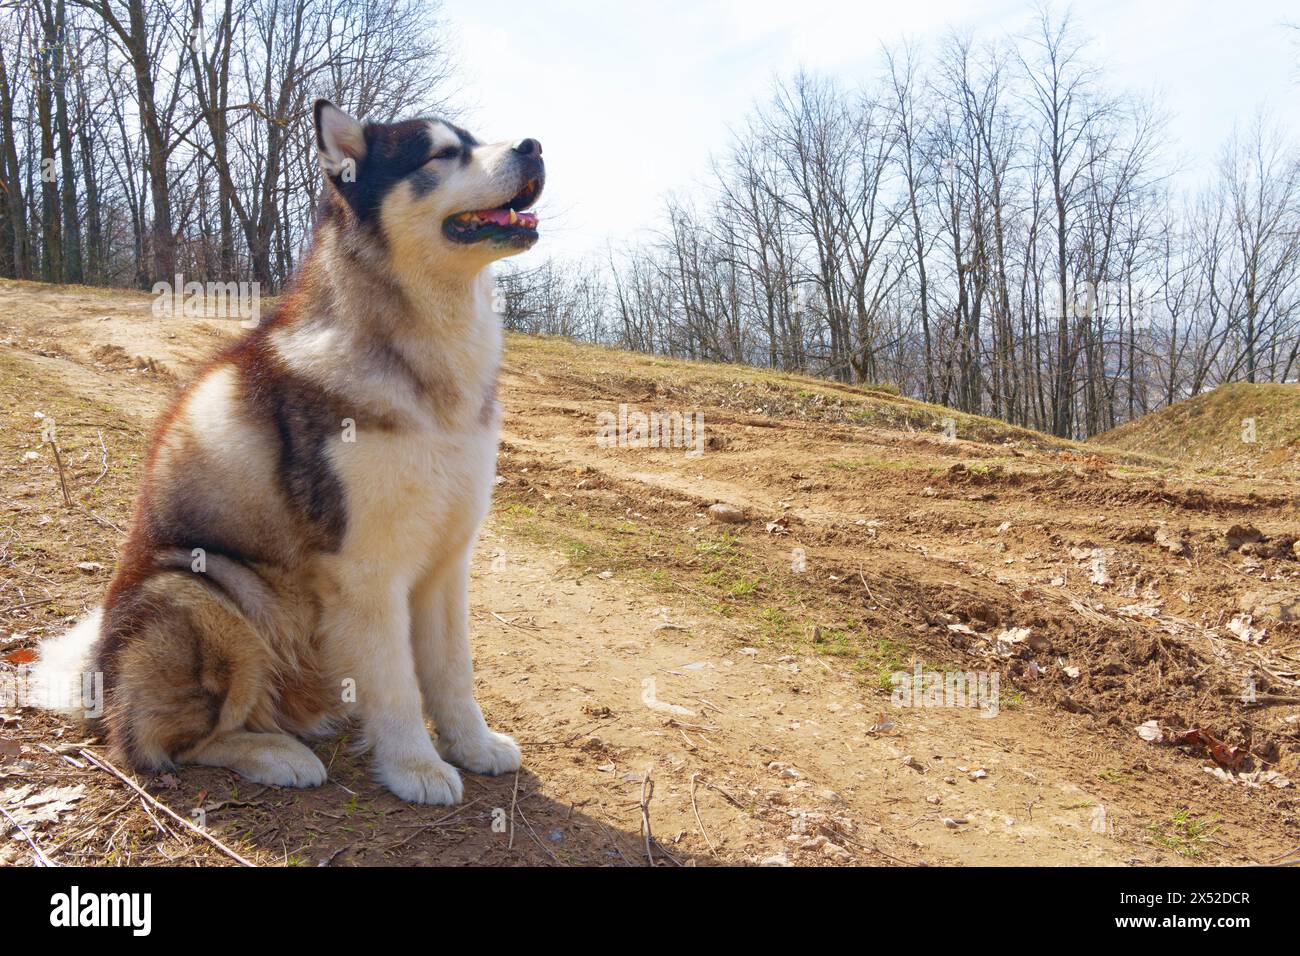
(1209, 431)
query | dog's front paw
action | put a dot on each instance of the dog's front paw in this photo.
(488, 752)
(421, 779)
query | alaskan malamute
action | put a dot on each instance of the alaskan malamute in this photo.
(301, 546)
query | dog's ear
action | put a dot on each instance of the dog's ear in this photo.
(340, 141)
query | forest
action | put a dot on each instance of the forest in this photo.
(987, 224)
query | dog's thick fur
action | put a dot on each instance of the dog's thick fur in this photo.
(301, 547)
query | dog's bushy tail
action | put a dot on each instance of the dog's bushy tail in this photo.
(57, 680)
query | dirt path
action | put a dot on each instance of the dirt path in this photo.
(621, 632)
(786, 751)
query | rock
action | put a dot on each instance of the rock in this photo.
(1172, 542)
(90, 567)
(779, 859)
(1240, 534)
(1151, 732)
(834, 851)
(1272, 605)
(727, 514)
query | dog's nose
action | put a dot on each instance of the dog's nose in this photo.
(529, 147)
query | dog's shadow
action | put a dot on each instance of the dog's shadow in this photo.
(354, 821)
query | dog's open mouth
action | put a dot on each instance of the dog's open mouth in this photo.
(507, 224)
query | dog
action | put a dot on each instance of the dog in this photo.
(300, 551)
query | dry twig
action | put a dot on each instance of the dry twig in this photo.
(107, 767)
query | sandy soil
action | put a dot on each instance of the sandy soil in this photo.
(728, 683)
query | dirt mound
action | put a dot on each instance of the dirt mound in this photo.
(1237, 428)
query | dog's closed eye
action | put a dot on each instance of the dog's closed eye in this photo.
(447, 152)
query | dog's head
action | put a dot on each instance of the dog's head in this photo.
(436, 196)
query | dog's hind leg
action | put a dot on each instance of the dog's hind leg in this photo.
(190, 683)
(276, 759)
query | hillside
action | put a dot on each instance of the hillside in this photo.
(740, 657)
(1213, 432)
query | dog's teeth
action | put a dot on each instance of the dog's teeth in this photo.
(514, 217)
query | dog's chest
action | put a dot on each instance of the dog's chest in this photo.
(411, 494)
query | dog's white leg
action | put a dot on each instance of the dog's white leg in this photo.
(369, 635)
(440, 635)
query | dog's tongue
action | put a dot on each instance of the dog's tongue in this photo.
(508, 217)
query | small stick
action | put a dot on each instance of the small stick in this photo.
(107, 767)
(514, 799)
(538, 840)
(614, 843)
(522, 627)
(1264, 699)
(40, 857)
(732, 800)
(104, 449)
(19, 607)
(647, 794)
(698, 821)
(58, 460)
(1282, 860)
(72, 760)
(426, 827)
(104, 521)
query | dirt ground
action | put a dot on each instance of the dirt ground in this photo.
(727, 683)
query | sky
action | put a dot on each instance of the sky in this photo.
(632, 99)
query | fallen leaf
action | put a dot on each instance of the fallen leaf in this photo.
(1255, 780)
(1241, 626)
(44, 806)
(1221, 753)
